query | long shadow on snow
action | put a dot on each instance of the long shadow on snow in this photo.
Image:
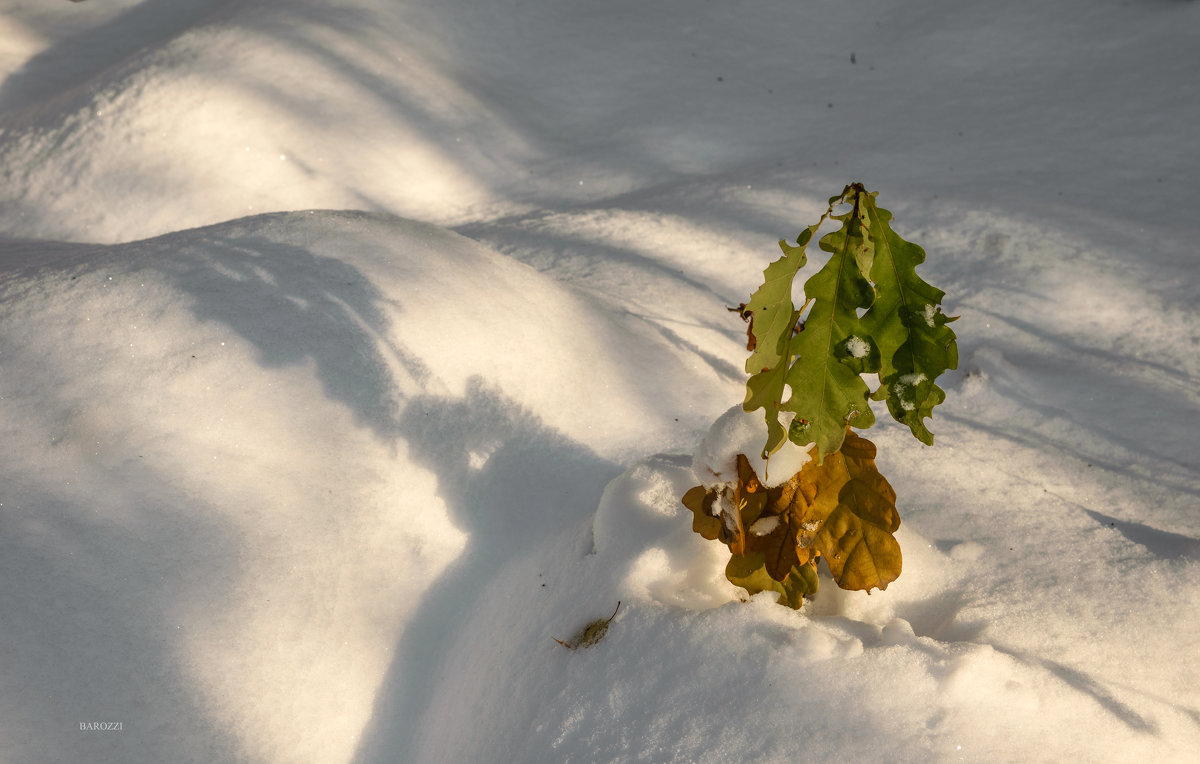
(122, 588)
(376, 67)
(1071, 345)
(524, 133)
(1163, 544)
(62, 66)
(1042, 444)
(1077, 680)
(544, 251)
(1104, 414)
(293, 306)
(507, 481)
(97, 608)
(533, 484)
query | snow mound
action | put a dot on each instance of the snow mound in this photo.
(250, 467)
(326, 486)
(236, 460)
(745, 432)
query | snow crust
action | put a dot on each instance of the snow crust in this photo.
(352, 353)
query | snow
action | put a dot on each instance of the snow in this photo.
(352, 353)
(905, 389)
(745, 432)
(930, 312)
(764, 525)
(857, 346)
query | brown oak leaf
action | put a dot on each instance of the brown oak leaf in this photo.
(841, 509)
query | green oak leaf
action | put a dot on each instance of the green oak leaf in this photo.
(907, 325)
(773, 319)
(833, 348)
(706, 518)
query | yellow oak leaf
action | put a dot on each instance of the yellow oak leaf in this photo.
(841, 509)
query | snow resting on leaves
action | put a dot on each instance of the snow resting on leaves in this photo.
(763, 526)
(904, 389)
(930, 312)
(857, 347)
(742, 432)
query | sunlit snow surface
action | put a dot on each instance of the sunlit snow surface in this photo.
(350, 354)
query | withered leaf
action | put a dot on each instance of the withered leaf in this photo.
(868, 491)
(747, 316)
(778, 546)
(751, 498)
(704, 521)
(860, 555)
(856, 538)
(841, 509)
(749, 572)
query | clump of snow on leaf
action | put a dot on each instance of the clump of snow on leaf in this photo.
(905, 387)
(857, 347)
(930, 312)
(741, 432)
(764, 526)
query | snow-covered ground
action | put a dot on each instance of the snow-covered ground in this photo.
(351, 352)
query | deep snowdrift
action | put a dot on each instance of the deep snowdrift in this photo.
(326, 486)
(315, 483)
(240, 457)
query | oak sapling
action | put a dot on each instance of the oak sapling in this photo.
(865, 312)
